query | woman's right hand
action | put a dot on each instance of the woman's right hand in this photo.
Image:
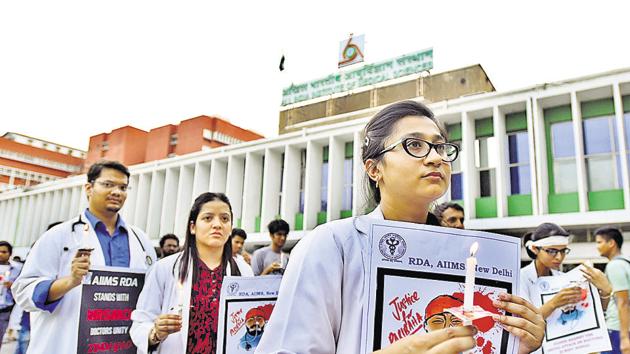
(567, 296)
(167, 324)
(448, 340)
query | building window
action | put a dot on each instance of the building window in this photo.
(485, 161)
(104, 146)
(457, 188)
(173, 139)
(518, 159)
(563, 153)
(601, 153)
(324, 187)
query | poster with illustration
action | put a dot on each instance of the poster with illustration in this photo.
(418, 271)
(244, 312)
(574, 328)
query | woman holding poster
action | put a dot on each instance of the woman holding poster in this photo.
(178, 308)
(548, 246)
(322, 299)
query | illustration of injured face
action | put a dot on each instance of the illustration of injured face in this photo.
(437, 318)
(255, 324)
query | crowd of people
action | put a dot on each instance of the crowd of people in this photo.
(322, 298)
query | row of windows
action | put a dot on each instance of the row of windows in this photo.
(38, 161)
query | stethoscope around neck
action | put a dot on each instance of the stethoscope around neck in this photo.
(148, 260)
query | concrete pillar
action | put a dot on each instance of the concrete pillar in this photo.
(470, 174)
(623, 144)
(252, 190)
(312, 185)
(502, 169)
(184, 200)
(290, 202)
(578, 137)
(336, 156)
(271, 186)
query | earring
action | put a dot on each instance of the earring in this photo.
(376, 184)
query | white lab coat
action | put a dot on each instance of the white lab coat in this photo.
(323, 294)
(161, 294)
(51, 259)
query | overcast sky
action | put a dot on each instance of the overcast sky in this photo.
(72, 69)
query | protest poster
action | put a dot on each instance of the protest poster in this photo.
(108, 296)
(245, 309)
(574, 328)
(416, 272)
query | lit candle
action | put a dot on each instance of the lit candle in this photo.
(469, 289)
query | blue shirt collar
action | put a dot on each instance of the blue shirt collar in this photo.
(94, 221)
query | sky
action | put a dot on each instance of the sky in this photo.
(72, 69)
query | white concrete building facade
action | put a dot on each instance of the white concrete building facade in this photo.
(556, 152)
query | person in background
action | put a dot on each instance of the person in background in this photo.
(609, 241)
(169, 244)
(178, 308)
(50, 282)
(271, 259)
(9, 271)
(238, 245)
(548, 245)
(322, 300)
(450, 215)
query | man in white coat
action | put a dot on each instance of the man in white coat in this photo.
(50, 283)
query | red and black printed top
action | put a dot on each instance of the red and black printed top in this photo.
(204, 311)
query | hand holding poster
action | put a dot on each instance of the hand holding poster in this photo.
(417, 272)
(574, 328)
(108, 296)
(245, 309)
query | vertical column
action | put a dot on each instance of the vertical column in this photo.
(201, 178)
(129, 209)
(540, 143)
(55, 207)
(234, 184)
(336, 156)
(290, 203)
(4, 217)
(35, 218)
(218, 176)
(24, 228)
(502, 172)
(47, 209)
(83, 200)
(251, 190)
(271, 186)
(75, 198)
(580, 164)
(359, 198)
(184, 199)
(471, 185)
(142, 202)
(313, 181)
(623, 144)
(169, 204)
(17, 217)
(65, 204)
(155, 203)
(531, 144)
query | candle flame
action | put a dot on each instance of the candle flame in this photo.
(474, 248)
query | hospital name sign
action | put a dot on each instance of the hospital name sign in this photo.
(369, 74)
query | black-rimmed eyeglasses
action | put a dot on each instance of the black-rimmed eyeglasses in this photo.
(554, 251)
(419, 148)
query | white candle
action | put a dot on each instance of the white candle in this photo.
(469, 289)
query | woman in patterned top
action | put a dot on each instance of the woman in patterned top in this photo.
(178, 308)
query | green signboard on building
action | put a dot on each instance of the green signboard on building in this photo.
(369, 74)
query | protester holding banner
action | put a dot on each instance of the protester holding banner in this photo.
(548, 246)
(322, 299)
(178, 308)
(50, 283)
